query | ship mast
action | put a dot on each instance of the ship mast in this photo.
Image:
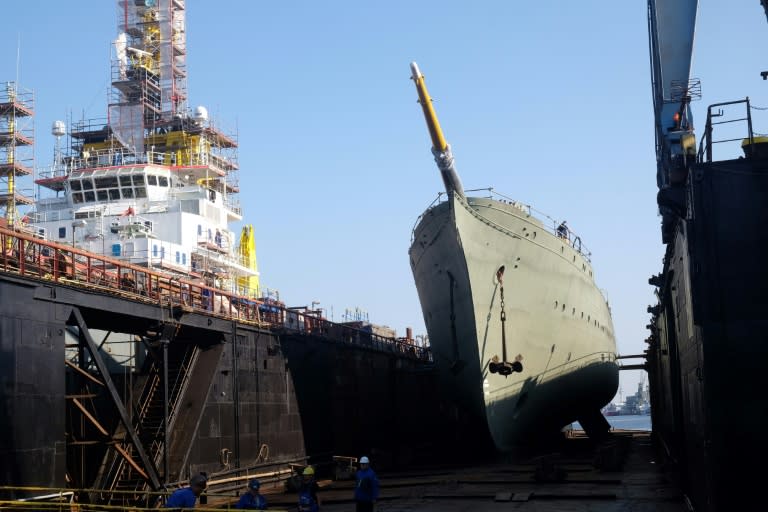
(440, 148)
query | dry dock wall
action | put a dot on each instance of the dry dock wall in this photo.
(238, 408)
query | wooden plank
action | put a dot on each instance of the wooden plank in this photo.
(90, 417)
(129, 460)
(83, 372)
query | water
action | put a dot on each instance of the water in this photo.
(629, 422)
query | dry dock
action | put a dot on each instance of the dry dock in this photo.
(617, 476)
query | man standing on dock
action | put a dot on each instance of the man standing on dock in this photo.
(187, 497)
(366, 487)
(308, 499)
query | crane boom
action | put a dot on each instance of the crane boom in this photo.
(440, 148)
(671, 26)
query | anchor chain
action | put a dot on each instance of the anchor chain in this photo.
(504, 367)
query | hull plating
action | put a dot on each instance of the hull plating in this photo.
(556, 318)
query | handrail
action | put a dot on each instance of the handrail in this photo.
(24, 254)
(574, 240)
(704, 155)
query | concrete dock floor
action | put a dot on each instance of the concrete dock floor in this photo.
(620, 475)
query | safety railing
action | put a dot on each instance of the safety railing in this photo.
(24, 254)
(311, 324)
(550, 223)
(705, 153)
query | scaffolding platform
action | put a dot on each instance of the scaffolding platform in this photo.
(16, 138)
(18, 198)
(15, 108)
(16, 168)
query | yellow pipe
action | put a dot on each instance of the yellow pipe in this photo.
(435, 132)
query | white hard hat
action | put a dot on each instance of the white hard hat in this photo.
(364, 460)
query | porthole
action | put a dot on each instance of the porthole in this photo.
(534, 235)
(574, 311)
(563, 307)
(582, 314)
(555, 304)
(589, 318)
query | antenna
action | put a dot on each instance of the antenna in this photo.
(18, 55)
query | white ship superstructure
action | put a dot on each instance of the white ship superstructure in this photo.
(153, 183)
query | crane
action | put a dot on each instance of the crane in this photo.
(671, 26)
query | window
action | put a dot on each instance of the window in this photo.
(152, 180)
(138, 180)
(77, 197)
(162, 181)
(62, 232)
(102, 195)
(125, 181)
(89, 196)
(154, 251)
(76, 185)
(106, 182)
(178, 257)
(183, 258)
(127, 193)
(116, 250)
(87, 184)
(162, 253)
(199, 230)
(114, 193)
(141, 192)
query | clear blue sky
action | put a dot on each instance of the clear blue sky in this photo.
(547, 101)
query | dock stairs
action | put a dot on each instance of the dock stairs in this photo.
(121, 473)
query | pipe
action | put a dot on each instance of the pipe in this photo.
(440, 148)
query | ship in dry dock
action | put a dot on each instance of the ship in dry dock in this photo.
(131, 317)
(521, 333)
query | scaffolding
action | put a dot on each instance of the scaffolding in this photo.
(17, 136)
(149, 75)
(148, 120)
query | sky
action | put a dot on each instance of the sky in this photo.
(548, 102)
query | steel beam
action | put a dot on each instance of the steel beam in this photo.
(149, 466)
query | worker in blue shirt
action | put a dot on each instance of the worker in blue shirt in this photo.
(252, 500)
(366, 487)
(309, 501)
(187, 497)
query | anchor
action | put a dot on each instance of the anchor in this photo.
(504, 367)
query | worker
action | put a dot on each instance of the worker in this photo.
(187, 497)
(366, 486)
(252, 500)
(217, 238)
(308, 499)
(562, 230)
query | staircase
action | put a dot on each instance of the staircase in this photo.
(120, 479)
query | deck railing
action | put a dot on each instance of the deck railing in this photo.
(549, 223)
(26, 255)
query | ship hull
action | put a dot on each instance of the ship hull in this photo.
(557, 322)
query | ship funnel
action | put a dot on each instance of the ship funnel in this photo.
(440, 148)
